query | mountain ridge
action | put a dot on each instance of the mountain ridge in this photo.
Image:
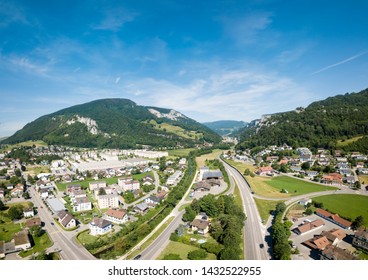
(115, 123)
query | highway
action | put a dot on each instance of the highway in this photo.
(254, 230)
(64, 241)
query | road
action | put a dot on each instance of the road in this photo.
(254, 230)
(64, 241)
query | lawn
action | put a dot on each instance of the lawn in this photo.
(7, 229)
(41, 244)
(37, 143)
(346, 205)
(271, 187)
(182, 250)
(177, 130)
(265, 207)
(201, 161)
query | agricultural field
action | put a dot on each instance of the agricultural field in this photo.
(343, 143)
(180, 152)
(346, 205)
(201, 161)
(241, 166)
(182, 250)
(272, 187)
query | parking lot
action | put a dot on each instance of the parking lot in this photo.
(305, 252)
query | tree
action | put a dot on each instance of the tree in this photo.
(280, 207)
(305, 165)
(101, 191)
(189, 214)
(17, 172)
(230, 253)
(197, 254)
(308, 211)
(15, 212)
(357, 185)
(2, 205)
(36, 231)
(358, 222)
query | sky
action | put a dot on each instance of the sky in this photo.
(210, 59)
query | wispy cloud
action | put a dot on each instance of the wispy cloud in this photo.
(246, 29)
(340, 62)
(10, 13)
(114, 19)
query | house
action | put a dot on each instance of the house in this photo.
(311, 174)
(295, 168)
(66, 219)
(17, 191)
(360, 239)
(174, 178)
(202, 186)
(108, 201)
(334, 218)
(97, 185)
(318, 242)
(99, 226)
(308, 226)
(118, 216)
(200, 225)
(72, 188)
(33, 222)
(350, 179)
(266, 170)
(153, 199)
(305, 202)
(44, 194)
(82, 204)
(332, 179)
(2, 194)
(161, 194)
(147, 181)
(332, 252)
(28, 212)
(21, 240)
(141, 208)
(169, 170)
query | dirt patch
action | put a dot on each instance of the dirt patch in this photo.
(295, 214)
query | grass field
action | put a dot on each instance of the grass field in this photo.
(239, 202)
(342, 143)
(177, 130)
(7, 229)
(271, 187)
(201, 161)
(182, 250)
(363, 179)
(37, 143)
(265, 207)
(180, 152)
(346, 205)
(41, 244)
(241, 166)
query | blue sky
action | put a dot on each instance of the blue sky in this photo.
(209, 59)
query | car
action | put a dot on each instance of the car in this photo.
(137, 257)
(41, 206)
(261, 245)
(52, 223)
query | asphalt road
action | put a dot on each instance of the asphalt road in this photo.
(254, 230)
(64, 241)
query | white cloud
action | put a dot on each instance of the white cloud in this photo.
(114, 19)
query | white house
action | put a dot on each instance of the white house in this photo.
(118, 216)
(82, 204)
(97, 185)
(128, 184)
(28, 212)
(66, 219)
(99, 226)
(174, 178)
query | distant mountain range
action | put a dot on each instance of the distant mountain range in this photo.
(116, 123)
(225, 127)
(335, 122)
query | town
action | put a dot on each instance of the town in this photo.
(93, 197)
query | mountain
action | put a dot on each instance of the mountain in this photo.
(225, 127)
(324, 124)
(115, 123)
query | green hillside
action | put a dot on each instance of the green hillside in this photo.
(114, 123)
(321, 124)
(225, 127)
